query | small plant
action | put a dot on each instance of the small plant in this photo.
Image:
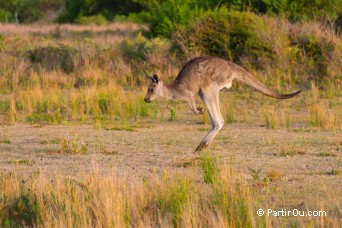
(21, 162)
(51, 141)
(105, 150)
(334, 172)
(287, 120)
(255, 173)
(327, 154)
(321, 116)
(172, 114)
(121, 128)
(270, 118)
(289, 150)
(274, 175)
(230, 116)
(73, 148)
(5, 141)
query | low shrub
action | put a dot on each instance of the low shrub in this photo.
(92, 20)
(51, 58)
(229, 34)
(140, 48)
(314, 54)
(5, 16)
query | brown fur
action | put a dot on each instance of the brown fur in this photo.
(206, 76)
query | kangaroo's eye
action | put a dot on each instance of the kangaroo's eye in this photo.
(151, 90)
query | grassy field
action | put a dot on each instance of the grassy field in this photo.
(79, 147)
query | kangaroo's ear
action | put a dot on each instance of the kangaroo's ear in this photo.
(155, 78)
(149, 77)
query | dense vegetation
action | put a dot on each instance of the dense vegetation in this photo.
(283, 48)
(73, 74)
(163, 16)
(25, 11)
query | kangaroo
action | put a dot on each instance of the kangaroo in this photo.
(206, 76)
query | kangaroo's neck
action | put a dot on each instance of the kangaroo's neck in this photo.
(171, 92)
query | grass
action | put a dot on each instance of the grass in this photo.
(135, 183)
(99, 199)
(106, 150)
(105, 88)
(51, 141)
(270, 118)
(276, 117)
(120, 128)
(230, 116)
(290, 150)
(105, 81)
(334, 172)
(5, 141)
(92, 201)
(73, 147)
(172, 114)
(20, 162)
(321, 116)
(209, 167)
(327, 154)
(255, 173)
(274, 175)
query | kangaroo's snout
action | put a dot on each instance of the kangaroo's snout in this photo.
(147, 100)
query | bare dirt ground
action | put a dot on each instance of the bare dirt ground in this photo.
(309, 160)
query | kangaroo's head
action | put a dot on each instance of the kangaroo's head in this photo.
(154, 89)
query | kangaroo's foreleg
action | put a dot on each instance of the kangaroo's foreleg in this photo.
(192, 104)
(211, 102)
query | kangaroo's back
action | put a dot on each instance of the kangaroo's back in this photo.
(201, 72)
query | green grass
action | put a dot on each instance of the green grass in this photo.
(174, 199)
(207, 194)
(173, 115)
(209, 167)
(334, 172)
(327, 154)
(73, 147)
(51, 141)
(20, 162)
(5, 141)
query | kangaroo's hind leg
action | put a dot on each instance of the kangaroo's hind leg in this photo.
(210, 100)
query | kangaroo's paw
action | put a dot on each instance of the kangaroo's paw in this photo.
(201, 147)
(200, 110)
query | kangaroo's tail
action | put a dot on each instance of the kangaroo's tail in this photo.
(248, 79)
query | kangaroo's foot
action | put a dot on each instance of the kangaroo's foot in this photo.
(200, 110)
(201, 147)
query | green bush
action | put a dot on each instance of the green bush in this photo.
(27, 10)
(92, 20)
(164, 17)
(5, 16)
(76, 9)
(229, 34)
(139, 48)
(296, 10)
(313, 55)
